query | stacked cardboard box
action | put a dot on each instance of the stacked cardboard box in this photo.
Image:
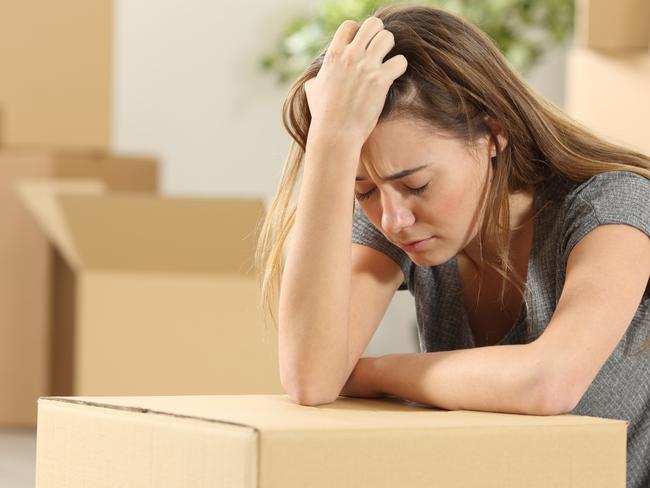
(55, 60)
(608, 70)
(604, 25)
(162, 300)
(266, 441)
(31, 272)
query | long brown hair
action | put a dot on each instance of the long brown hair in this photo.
(456, 76)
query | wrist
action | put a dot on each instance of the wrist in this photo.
(333, 140)
(365, 380)
(374, 373)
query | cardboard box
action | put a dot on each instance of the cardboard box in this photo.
(56, 65)
(610, 94)
(622, 25)
(266, 441)
(164, 299)
(2, 127)
(30, 272)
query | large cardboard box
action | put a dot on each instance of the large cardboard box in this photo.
(30, 272)
(164, 299)
(266, 441)
(608, 25)
(611, 95)
(55, 60)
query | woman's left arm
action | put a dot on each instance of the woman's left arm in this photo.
(491, 379)
(607, 273)
(606, 276)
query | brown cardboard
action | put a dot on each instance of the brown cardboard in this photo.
(2, 127)
(266, 441)
(610, 94)
(31, 275)
(620, 25)
(55, 60)
(165, 300)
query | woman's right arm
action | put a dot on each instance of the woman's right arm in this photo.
(345, 100)
(315, 291)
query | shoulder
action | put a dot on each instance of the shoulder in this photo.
(613, 197)
(612, 187)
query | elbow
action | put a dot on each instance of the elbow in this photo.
(309, 396)
(308, 384)
(551, 398)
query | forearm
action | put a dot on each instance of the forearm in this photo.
(491, 379)
(315, 290)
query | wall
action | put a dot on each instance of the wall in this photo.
(186, 87)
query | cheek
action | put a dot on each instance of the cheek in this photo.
(458, 200)
(450, 203)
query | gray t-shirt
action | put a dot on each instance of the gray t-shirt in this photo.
(621, 390)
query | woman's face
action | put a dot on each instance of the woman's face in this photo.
(440, 202)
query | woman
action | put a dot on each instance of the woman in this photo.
(522, 236)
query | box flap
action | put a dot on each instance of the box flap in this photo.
(41, 197)
(143, 232)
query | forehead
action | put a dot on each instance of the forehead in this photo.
(375, 171)
(402, 144)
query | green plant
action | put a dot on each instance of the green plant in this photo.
(522, 29)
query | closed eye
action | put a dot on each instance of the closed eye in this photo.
(368, 194)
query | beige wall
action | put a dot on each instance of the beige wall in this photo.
(55, 62)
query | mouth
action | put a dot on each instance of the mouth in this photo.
(414, 245)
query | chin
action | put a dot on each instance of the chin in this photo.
(431, 258)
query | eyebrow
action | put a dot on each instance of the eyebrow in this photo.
(399, 175)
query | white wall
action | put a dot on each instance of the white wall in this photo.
(549, 74)
(187, 89)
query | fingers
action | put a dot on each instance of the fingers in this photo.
(395, 66)
(354, 37)
(342, 37)
(380, 45)
(370, 39)
(370, 27)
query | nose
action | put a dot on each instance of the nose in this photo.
(396, 214)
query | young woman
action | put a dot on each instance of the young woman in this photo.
(522, 236)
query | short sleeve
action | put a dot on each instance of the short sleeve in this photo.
(364, 232)
(614, 197)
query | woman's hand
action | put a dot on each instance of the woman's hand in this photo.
(349, 92)
(363, 382)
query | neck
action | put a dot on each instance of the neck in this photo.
(521, 226)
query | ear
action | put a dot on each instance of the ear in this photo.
(497, 129)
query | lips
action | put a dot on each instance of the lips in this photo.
(410, 243)
(415, 246)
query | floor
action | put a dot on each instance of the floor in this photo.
(17, 458)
